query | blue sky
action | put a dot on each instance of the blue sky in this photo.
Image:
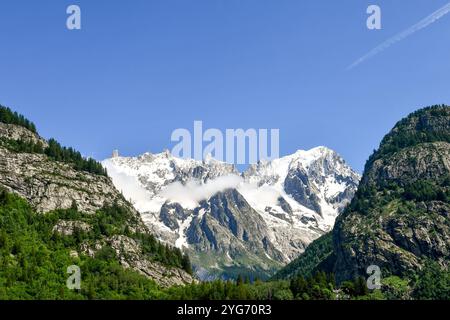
(140, 69)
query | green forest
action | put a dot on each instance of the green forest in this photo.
(34, 261)
(10, 117)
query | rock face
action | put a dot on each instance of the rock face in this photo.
(226, 226)
(68, 228)
(13, 132)
(232, 223)
(129, 253)
(400, 215)
(49, 185)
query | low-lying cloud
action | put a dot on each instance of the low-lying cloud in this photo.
(189, 195)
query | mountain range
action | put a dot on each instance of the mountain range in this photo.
(132, 228)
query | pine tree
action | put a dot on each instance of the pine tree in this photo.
(239, 280)
(186, 264)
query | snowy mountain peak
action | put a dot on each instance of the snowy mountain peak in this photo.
(208, 206)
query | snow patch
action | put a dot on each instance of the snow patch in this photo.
(182, 239)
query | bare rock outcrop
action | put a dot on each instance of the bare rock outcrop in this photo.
(50, 185)
(129, 253)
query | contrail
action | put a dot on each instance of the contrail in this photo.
(402, 35)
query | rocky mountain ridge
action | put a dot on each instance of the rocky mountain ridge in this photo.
(406, 184)
(252, 222)
(50, 185)
(399, 217)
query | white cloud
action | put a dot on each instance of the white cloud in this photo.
(190, 194)
(260, 197)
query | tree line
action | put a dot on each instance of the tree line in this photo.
(10, 117)
(54, 150)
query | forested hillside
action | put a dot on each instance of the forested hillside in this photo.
(58, 209)
(399, 217)
(398, 220)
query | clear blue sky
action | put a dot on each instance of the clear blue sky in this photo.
(139, 69)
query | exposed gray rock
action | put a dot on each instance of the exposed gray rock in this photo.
(68, 228)
(387, 224)
(129, 253)
(232, 231)
(237, 229)
(298, 186)
(13, 132)
(50, 185)
(171, 213)
(388, 229)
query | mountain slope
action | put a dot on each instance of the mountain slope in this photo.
(399, 217)
(315, 258)
(253, 222)
(82, 202)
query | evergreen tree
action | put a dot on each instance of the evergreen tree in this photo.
(239, 280)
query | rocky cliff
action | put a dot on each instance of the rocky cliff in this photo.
(399, 217)
(50, 185)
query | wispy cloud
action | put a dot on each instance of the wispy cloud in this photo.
(190, 194)
(404, 34)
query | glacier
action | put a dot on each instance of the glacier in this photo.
(229, 221)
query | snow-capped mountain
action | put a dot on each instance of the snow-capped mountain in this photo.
(231, 222)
